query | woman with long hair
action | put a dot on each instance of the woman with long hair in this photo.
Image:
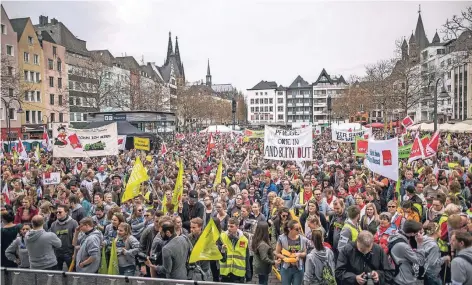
(263, 253)
(17, 251)
(137, 221)
(283, 216)
(9, 233)
(84, 197)
(370, 220)
(320, 257)
(291, 249)
(111, 231)
(313, 210)
(127, 247)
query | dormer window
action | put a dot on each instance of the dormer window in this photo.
(30, 40)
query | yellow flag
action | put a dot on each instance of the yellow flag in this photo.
(138, 175)
(219, 173)
(113, 264)
(179, 186)
(206, 248)
(448, 139)
(164, 203)
(103, 263)
(37, 153)
(72, 265)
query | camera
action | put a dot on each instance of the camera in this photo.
(368, 278)
(141, 257)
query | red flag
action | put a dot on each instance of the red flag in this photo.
(6, 193)
(211, 145)
(163, 149)
(45, 141)
(407, 121)
(21, 150)
(416, 150)
(424, 143)
(432, 147)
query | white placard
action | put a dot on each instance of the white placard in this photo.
(382, 157)
(54, 178)
(101, 141)
(294, 144)
(347, 136)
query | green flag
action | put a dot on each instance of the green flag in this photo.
(113, 265)
(103, 263)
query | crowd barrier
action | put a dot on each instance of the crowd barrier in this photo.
(19, 276)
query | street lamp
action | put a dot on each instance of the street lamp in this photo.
(7, 108)
(328, 103)
(442, 96)
(233, 111)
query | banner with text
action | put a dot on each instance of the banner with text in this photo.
(348, 136)
(250, 134)
(294, 144)
(404, 151)
(382, 157)
(142, 143)
(101, 141)
(361, 146)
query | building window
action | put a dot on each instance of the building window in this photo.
(271, 101)
(265, 93)
(61, 117)
(59, 83)
(26, 57)
(252, 109)
(30, 40)
(71, 101)
(33, 117)
(51, 99)
(449, 88)
(271, 109)
(51, 81)
(257, 93)
(27, 115)
(4, 30)
(257, 101)
(38, 96)
(449, 74)
(54, 51)
(38, 77)
(280, 117)
(59, 100)
(31, 76)
(9, 50)
(10, 71)
(27, 96)
(280, 100)
(10, 92)
(36, 59)
(59, 65)
(50, 64)
(53, 117)
(280, 109)
(252, 101)
(71, 85)
(280, 93)
(26, 76)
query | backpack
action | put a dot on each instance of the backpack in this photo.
(327, 275)
(419, 271)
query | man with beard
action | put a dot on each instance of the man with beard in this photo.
(191, 209)
(64, 228)
(99, 219)
(175, 254)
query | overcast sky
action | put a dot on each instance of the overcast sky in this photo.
(246, 41)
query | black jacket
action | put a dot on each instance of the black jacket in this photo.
(190, 212)
(352, 262)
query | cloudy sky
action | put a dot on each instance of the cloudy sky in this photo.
(245, 40)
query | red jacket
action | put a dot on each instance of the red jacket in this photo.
(19, 214)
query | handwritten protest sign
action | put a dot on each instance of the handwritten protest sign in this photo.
(51, 178)
(294, 144)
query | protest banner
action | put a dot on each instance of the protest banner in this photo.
(348, 136)
(361, 146)
(68, 142)
(294, 144)
(382, 157)
(250, 134)
(404, 151)
(51, 178)
(142, 143)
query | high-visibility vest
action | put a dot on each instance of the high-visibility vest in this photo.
(354, 231)
(236, 256)
(443, 247)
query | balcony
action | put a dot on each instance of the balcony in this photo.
(319, 113)
(301, 104)
(319, 104)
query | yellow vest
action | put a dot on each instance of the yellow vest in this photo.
(236, 256)
(443, 247)
(354, 231)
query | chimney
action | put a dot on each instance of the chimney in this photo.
(54, 21)
(43, 20)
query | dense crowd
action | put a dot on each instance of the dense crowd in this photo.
(327, 221)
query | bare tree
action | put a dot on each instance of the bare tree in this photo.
(357, 98)
(459, 28)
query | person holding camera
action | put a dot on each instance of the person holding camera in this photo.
(363, 262)
(407, 252)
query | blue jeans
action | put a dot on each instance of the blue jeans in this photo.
(263, 279)
(127, 270)
(432, 280)
(291, 276)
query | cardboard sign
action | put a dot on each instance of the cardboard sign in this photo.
(142, 143)
(51, 178)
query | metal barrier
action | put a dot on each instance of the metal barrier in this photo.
(20, 276)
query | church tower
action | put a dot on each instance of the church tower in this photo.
(170, 49)
(208, 76)
(404, 50)
(413, 50)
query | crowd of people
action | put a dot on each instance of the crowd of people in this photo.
(327, 221)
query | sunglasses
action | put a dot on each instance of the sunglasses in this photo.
(284, 216)
(139, 210)
(147, 215)
(392, 206)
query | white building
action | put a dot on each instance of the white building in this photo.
(323, 87)
(262, 106)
